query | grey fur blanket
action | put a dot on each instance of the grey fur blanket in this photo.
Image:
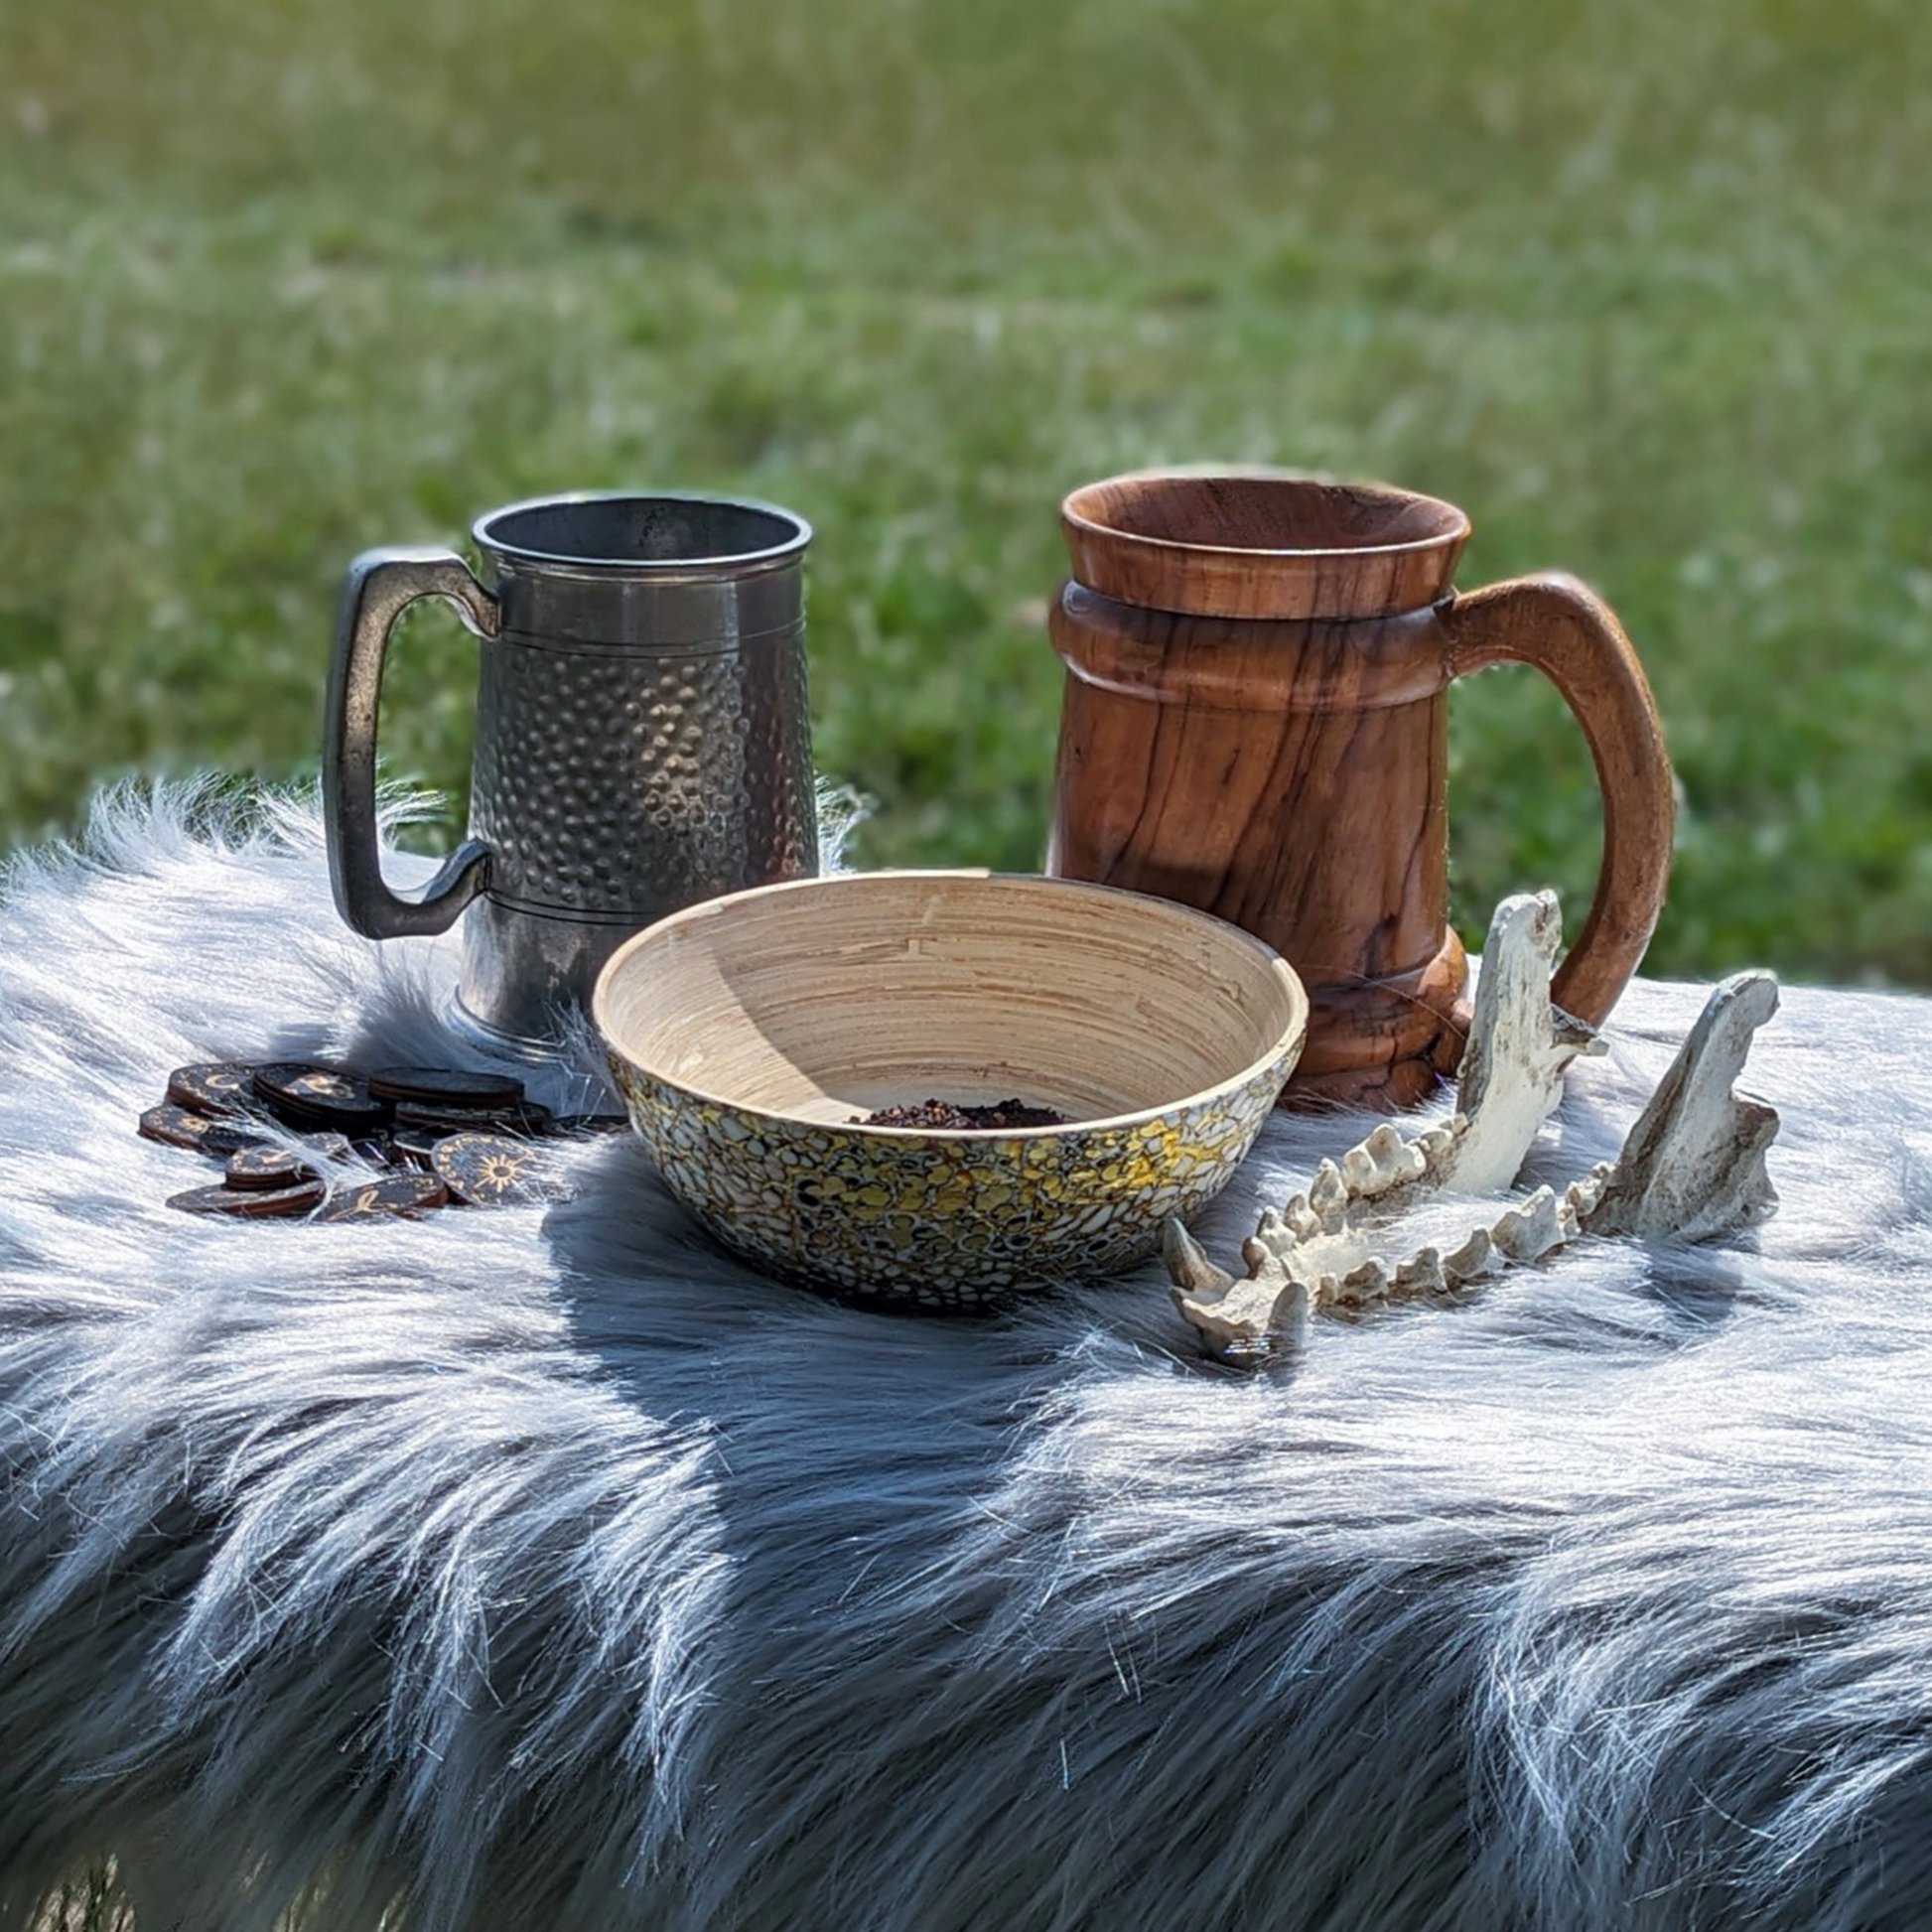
(542, 1569)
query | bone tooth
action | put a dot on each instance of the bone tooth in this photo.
(1583, 1192)
(1303, 1223)
(1432, 1143)
(1273, 1234)
(1552, 1228)
(1188, 1265)
(1523, 1233)
(1474, 1258)
(1288, 1323)
(1234, 1318)
(1422, 1273)
(1383, 1160)
(1279, 1224)
(1265, 1260)
(1525, 1230)
(1693, 1165)
(1236, 1327)
(1367, 1282)
(1326, 1194)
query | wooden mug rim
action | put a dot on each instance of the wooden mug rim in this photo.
(1199, 576)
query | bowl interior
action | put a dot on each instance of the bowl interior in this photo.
(831, 998)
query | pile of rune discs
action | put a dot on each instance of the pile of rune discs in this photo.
(437, 1135)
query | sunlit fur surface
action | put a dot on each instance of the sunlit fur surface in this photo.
(543, 1570)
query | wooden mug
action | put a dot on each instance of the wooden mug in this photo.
(1256, 723)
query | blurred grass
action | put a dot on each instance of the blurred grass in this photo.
(1642, 287)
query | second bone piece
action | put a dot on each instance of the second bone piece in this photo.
(1320, 1247)
(1690, 1168)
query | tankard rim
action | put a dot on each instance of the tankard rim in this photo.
(489, 533)
(1258, 541)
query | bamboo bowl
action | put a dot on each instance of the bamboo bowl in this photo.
(746, 1033)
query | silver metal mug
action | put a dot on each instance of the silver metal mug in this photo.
(643, 740)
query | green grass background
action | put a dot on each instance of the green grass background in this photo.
(1642, 286)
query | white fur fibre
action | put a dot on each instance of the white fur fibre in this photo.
(546, 1570)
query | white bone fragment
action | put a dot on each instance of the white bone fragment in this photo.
(1474, 1259)
(1329, 1256)
(1367, 1282)
(1519, 1046)
(1693, 1166)
(1513, 1066)
(1244, 1322)
(1188, 1265)
(1585, 1190)
(1422, 1274)
(1326, 1193)
(1288, 1323)
(1530, 1228)
(1231, 1315)
(1271, 1226)
(1383, 1160)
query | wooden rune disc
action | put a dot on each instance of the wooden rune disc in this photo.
(175, 1126)
(267, 1167)
(216, 1089)
(526, 1120)
(320, 1096)
(493, 1170)
(448, 1088)
(395, 1196)
(414, 1147)
(250, 1204)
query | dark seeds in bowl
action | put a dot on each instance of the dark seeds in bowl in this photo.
(941, 1114)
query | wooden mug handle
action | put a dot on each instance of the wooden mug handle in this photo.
(1564, 630)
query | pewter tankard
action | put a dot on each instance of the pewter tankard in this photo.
(642, 740)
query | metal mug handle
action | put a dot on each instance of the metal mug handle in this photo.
(379, 587)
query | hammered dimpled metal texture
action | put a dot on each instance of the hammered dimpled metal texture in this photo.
(617, 783)
(944, 1221)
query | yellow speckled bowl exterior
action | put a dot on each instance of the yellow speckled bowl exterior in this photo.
(947, 1220)
(943, 1220)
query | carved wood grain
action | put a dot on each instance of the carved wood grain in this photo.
(1288, 777)
(1254, 724)
(1559, 627)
